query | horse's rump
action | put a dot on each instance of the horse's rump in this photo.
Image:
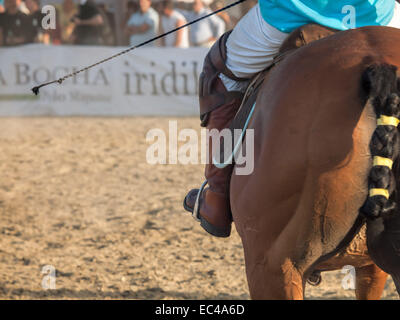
(312, 125)
(298, 38)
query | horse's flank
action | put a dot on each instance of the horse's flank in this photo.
(312, 126)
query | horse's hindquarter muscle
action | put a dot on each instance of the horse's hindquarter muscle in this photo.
(313, 127)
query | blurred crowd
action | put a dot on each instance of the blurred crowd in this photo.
(86, 22)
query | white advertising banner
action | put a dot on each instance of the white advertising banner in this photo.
(146, 81)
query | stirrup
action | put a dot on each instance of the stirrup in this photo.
(315, 279)
(196, 209)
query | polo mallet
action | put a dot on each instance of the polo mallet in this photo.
(60, 81)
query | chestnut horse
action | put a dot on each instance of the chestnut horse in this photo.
(313, 124)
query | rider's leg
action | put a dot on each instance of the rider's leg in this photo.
(215, 207)
(218, 107)
(251, 47)
(247, 50)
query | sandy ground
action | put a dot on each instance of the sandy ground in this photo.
(78, 194)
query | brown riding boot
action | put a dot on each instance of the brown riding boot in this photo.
(218, 107)
(214, 207)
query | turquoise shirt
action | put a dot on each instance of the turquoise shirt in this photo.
(288, 15)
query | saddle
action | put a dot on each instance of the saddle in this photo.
(297, 39)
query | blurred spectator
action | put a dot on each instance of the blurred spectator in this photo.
(184, 8)
(1, 11)
(88, 24)
(158, 6)
(171, 19)
(132, 7)
(36, 32)
(109, 33)
(65, 12)
(230, 22)
(206, 31)
(143, 25)
(14, 25)
(22, 7)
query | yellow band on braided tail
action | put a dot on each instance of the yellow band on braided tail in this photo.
(381, 161)
(379, 192)
(385, 162)
(388, 121)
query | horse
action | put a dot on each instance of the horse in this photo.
(315, 123)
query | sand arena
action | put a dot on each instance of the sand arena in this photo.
(78, 194)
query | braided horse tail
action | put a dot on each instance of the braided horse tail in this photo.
(381, 83)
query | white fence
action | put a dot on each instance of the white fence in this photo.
(146, 81)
